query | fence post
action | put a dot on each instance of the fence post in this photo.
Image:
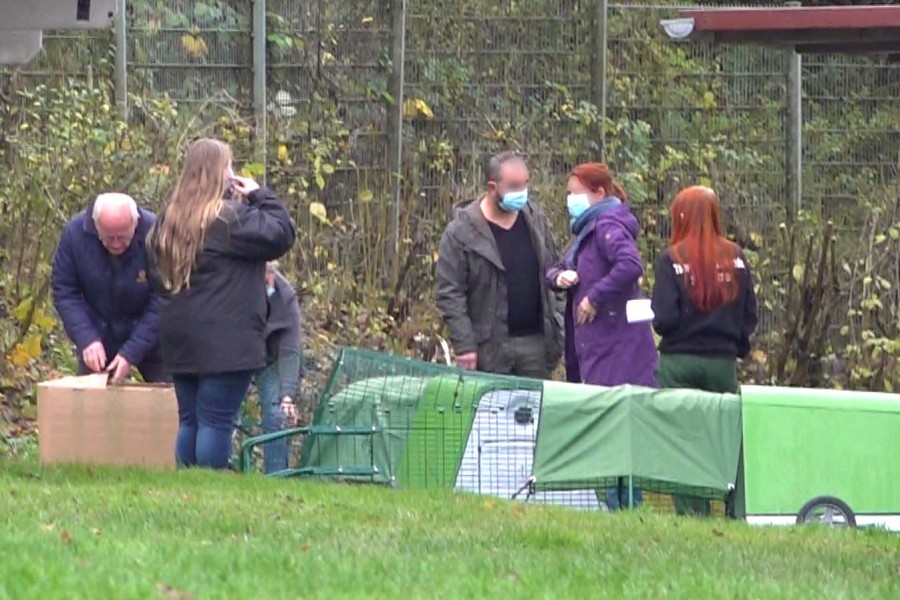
(121, 76)
(259, 83)
(395, 135)
(795, 131)
(598, 67)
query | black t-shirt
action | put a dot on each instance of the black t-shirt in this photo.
(523, 285)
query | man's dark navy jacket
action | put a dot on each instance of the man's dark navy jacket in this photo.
(103, 297)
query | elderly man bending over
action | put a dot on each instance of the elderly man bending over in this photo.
(101, 291)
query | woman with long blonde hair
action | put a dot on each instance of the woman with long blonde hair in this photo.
(208, 256)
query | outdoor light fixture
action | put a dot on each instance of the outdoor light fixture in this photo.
(21, 30)
(32, 15)
(678, 29)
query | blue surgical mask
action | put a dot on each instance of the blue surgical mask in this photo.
(577, 204)
(270, 290)
(514, 201)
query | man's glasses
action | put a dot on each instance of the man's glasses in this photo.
(122, 238)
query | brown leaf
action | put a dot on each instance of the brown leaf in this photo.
(172, 593)
(66, 537)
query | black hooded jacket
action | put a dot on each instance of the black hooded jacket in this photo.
(217, 324)
(723, 332)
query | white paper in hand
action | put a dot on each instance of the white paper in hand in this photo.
(638, 311)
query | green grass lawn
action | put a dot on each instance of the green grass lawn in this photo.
(99, 533)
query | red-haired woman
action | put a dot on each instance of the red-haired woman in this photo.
(704, 305)
(601, 272)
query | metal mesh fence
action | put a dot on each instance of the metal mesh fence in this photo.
(851, 133)
(488, 78)
(486, 69)
(66, 55)
(732, 92)
(327, 67)
(702, 101)
(193, 51)
(485, 76)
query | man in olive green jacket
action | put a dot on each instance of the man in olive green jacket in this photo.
(489, 282)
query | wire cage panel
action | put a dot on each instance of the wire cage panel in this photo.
(499, 456)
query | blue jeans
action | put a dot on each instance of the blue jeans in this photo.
(268, 386)
(618, 501)
(207, 407)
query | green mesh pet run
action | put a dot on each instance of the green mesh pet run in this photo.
(411, 424)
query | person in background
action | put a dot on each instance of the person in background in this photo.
(277, 384)
(601, 272)
(489, 285)
(704, 305)
(208, 256)
(102, 292)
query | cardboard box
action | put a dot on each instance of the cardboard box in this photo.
(85, 420)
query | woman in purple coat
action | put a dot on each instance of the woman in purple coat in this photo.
(601, 272)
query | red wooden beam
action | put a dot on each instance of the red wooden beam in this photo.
(794, 18)
(848, 48)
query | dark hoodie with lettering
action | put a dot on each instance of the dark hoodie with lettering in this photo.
(722, 332)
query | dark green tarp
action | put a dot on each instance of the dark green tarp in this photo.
(671, 441)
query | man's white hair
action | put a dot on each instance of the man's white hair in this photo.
(114, 200)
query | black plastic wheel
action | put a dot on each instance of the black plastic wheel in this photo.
(827, 510)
